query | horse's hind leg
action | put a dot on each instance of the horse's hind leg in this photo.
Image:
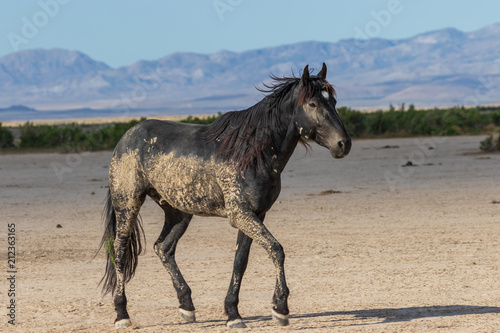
(126, 248)
(176, 223)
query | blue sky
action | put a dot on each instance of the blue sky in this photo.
(120, 32)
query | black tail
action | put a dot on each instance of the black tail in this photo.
(131, 253)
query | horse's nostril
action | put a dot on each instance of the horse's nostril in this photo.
(341, 144)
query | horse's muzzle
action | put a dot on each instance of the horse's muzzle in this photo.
(341, 148)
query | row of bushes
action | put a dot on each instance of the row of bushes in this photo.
(402, 122)
(203, 120)
(453, 121)
(73, 137)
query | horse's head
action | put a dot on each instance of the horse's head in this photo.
(316, 117)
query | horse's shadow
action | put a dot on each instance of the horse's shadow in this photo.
(396, 314)
(367, 317)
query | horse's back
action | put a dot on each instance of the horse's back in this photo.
(165, 135)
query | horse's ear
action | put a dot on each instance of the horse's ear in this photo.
(305, 75)
(322, 72)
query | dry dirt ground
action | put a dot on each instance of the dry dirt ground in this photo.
(372, 245)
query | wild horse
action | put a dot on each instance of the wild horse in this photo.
(230, 168)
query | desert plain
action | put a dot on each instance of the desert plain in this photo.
(402, 235)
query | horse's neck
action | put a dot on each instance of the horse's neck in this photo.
(287, 139)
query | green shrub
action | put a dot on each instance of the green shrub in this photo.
(6, 138)
(487, 144)
(354, 121)
(495, 118)
(107, 137)
(491, 143)
(45, 136)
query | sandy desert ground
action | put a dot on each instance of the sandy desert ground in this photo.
(372, 245)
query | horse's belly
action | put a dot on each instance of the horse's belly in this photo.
(199, 198)
(187, 184)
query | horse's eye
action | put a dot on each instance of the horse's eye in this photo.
(312, 104)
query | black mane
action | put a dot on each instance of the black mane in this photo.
(246, 136)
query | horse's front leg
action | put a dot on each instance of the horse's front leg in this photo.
(243, 244)
(253, 227)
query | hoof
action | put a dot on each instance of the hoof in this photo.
(122, 323)
(188, 316)
(236, 323)
(280, 319)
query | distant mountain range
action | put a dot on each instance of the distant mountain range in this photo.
(439, 68)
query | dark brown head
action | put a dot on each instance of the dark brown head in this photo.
(316, 117)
